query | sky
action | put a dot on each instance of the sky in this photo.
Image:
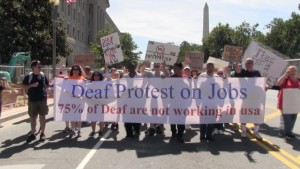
(178, 20)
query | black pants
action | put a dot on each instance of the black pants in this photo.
(206, 129)
(219, 126)
(180, 129)
(129, 127)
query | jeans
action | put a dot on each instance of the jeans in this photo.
(289, 122)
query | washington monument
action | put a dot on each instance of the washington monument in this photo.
(205, 21)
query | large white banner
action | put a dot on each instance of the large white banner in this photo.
(111, 47)
(156, 100)
(291, 100)
(161, 52)
(266, 61)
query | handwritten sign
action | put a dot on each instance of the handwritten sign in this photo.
(112, 49)
(291, 99)
(84, 60)
(194, 60)
(268, 62)
(161, 52)
(218, 62)
(232, 54)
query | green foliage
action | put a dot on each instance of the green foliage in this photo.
(185, 47)
(223, 35)
(284, 36)
(127, 44)
(214, 43)
(26, 25)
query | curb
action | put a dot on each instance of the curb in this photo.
(23, 113)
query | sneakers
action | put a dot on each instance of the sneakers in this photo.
(78, 133)
(100, 134)
(151, 131)
(220, 132)
(257, 136)
(92, 134)
(281, 133)
(114, 126)
(159, 130)
(67, 129)
(290, 136)
(244, 134)
(215, 132)
(30, 138)
(42, 137)
(72, 134)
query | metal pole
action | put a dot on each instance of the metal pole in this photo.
(54, 10)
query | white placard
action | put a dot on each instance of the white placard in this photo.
(218, 62)
(267, 61)
(161, 52)
(156, 100)
(112, 48)
(291, 100)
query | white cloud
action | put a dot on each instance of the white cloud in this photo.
(178, 20)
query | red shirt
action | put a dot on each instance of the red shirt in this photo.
(286, 84)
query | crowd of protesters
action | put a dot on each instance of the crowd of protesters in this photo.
(36, 83)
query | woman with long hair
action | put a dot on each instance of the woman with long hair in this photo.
(97, 76)
(77, 73)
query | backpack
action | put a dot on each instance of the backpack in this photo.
(41, 75)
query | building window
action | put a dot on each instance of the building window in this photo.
(78, 35)
(73, 33)
(78, 18)
(74, 15)
(82, 37)
(69, 10)
(68, 30)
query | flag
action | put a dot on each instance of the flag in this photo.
(70, 1)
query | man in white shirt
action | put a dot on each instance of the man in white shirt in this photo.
(207, 129)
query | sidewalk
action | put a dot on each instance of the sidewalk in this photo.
(18, 112)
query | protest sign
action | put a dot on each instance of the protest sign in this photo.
(156, 100)
(291, 100)
(232, 54)
(84, 60)
(194, 60)
(112, 48)
(268, 62)
(161, 52)
(218, 62)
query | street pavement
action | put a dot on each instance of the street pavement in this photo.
(116, 151)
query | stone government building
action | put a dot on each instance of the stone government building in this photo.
(82, 20)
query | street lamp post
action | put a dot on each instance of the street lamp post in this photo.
(54, 15)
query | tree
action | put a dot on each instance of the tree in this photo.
(244, 33)
(27, 26)
(214, 43)
(284, 36)
(128, 47)
(223, 35)
(185, 47)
